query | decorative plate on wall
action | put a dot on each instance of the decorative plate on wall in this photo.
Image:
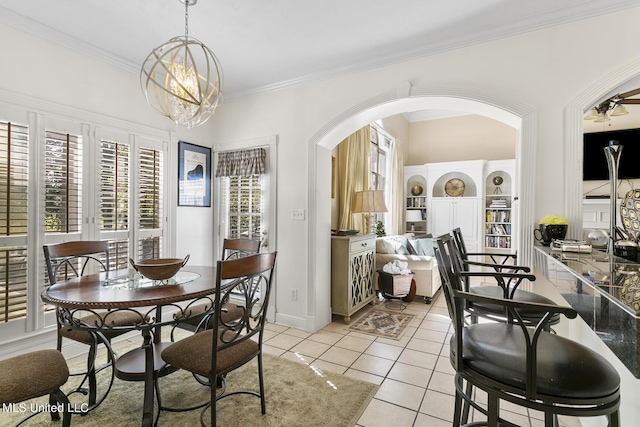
(454, 187)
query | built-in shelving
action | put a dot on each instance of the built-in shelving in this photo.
(498, 213)
(415, 200)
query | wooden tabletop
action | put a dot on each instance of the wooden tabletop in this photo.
(89, 292)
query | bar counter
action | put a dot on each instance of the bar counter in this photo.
(605, 291)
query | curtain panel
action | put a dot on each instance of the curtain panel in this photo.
(242, 163)
(397, 190)
(354, 155)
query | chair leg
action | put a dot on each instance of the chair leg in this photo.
(91, 373)
(493, 410)
(614, 419)
(214, 396)
(262, 401)
(457, 409)
(467, 405)
(58, 396)
(53, 401)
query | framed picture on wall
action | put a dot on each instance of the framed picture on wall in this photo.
(194, 175)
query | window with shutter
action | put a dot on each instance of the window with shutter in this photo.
(243, 206)
(150, 173)
(114, 198)
(14, 187)
(63, 182)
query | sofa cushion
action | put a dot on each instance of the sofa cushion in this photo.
(424, 246)
(392, 245)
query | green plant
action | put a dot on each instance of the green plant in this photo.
(553, 219)
(378, 229)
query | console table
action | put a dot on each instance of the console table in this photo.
(352, 266)
(605, 291)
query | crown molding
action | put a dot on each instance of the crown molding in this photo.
(560, 15)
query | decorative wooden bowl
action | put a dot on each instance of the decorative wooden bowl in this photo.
(159, 268)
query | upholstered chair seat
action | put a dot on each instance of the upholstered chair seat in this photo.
(565, 369)
(33, 375)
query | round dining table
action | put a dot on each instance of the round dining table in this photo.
(111, 292)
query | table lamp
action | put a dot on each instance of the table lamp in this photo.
(412, 216)
(368, 202)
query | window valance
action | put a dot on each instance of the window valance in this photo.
(242, 163)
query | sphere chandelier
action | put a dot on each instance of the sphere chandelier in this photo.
(182, 78)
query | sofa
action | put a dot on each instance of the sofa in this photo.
(417, 252)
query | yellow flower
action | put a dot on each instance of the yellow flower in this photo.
(553, 219)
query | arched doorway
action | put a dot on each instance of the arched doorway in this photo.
(404, 99)
(573, 114)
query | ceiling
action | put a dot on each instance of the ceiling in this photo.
(268, 45)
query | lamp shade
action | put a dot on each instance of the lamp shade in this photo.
(413, 215)
(619, 110)
(369, 201)
(602, 117)
(592, 114)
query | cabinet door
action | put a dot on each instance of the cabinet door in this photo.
(466, 217)
(441, 216)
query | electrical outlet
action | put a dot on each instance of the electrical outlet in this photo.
(297, 214)
(294, 294)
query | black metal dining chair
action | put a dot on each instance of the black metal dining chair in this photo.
(73, 259)
(32, 375)
(199, 315)
(499, 260)
(505, 282)
(518, 362)
(227, 346)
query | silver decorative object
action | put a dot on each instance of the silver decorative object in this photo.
(612, 153)
(182, 78)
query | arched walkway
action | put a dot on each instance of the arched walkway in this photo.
(573, 131)
(405, 99)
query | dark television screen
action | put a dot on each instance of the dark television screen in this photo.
(594, 165)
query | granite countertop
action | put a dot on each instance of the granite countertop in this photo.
(605, 291)
(617, 278)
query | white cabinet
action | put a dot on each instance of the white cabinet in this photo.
(448, 213)
(352, 266)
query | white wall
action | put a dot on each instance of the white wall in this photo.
(79, 82)
(469, 137)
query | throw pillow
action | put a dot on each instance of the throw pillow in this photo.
(425, 246)
(381, 247)
(399, 247)
(410, 248)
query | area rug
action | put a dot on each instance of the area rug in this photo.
(387, 324)
(296, 395)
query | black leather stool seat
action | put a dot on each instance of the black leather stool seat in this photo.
(566, 369)
(518, 295)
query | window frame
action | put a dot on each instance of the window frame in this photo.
(39, 116)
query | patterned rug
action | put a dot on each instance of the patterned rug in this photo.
(387, 324)
(296, 395)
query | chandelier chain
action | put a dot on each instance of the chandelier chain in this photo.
(186, 19)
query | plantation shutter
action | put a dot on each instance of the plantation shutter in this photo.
(150, 216)
(243, 205)
(63, 182)
(114, 198)
(14, 186)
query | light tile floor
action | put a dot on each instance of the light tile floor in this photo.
(414, 373)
